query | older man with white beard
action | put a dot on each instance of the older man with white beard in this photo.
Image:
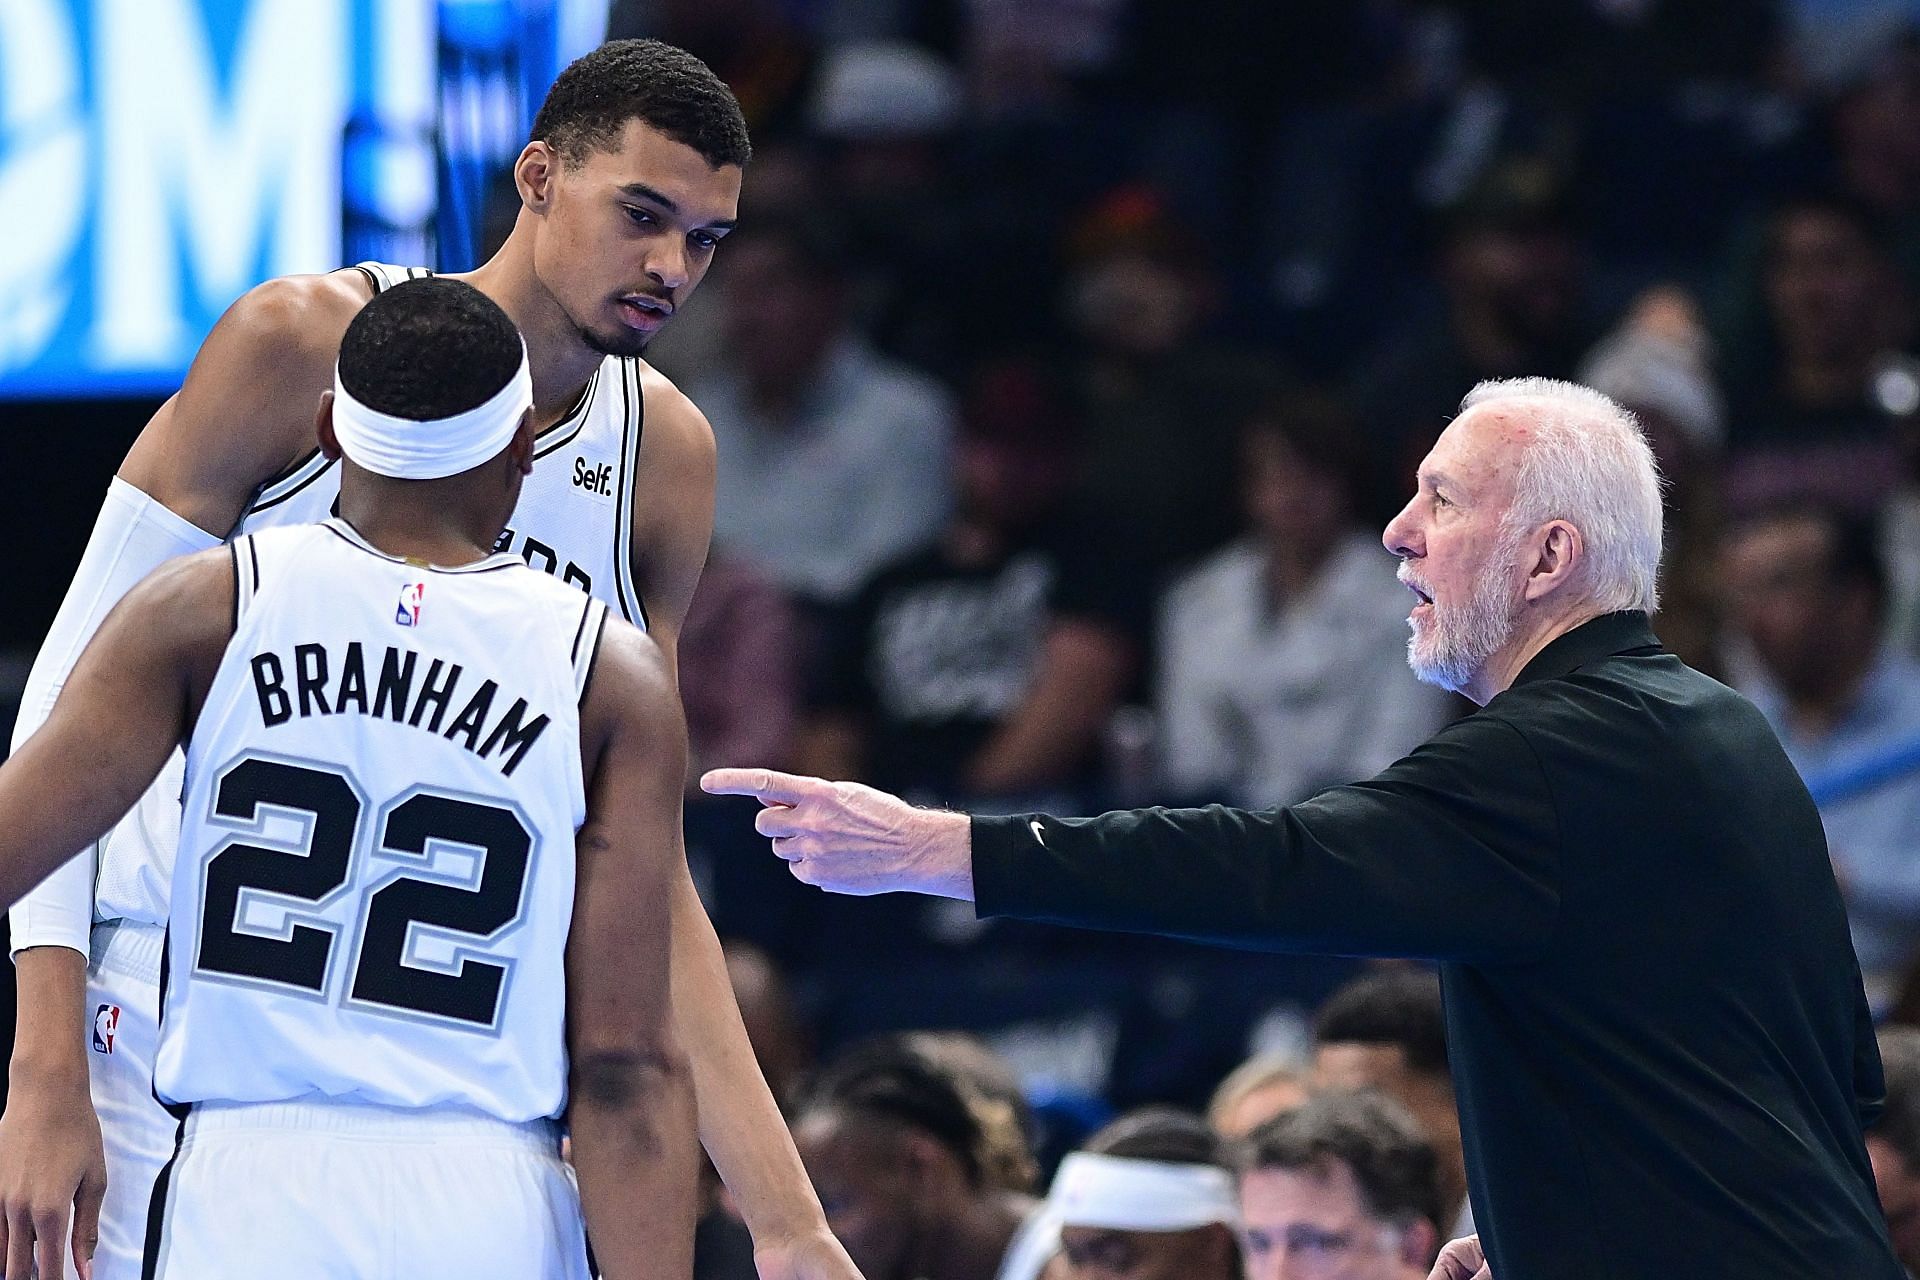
(1661, 1051)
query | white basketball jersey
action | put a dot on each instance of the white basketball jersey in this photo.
(375, 875)
(574, 521)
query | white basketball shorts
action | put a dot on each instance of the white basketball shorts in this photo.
(340, 1191)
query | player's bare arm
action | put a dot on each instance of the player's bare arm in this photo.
(245, 412)
(244, 415)
(740, 1122)
(127, 704)
(630, 1091)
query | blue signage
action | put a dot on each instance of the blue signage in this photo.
(160, 157)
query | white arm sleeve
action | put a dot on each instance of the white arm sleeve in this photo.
(133, 536)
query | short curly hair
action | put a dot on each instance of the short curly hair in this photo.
(428, 349)
(665, 86)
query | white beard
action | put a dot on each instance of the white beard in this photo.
(1456, 640)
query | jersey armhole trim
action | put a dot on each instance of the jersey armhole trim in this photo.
(586, 645)
(632, 426)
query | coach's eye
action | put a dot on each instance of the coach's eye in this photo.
(639, 217)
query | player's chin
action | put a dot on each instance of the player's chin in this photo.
(617, 340)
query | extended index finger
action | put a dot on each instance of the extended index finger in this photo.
(768, 785)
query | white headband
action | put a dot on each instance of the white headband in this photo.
(1118, 1194)
(408, 449)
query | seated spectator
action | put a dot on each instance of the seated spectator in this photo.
(1893, 1142)
(1656, 365)
(833, 460)
(739, 680)
(1512, 272)
(1386, 1030)
(1255, 1092)
(987, 663)
(1344, 1186)
(1283, 656)
(1807, 602)
(901, 1160)
(1809, 415)
(1160, 399)
(1149, 1197)
(993, 1094)
(781, 1043)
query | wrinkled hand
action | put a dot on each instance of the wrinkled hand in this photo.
(51, 1165)
(1461, 1260)
(809, 1257)
(849, 838)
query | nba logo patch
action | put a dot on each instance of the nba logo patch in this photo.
(106, 1021)
(408, 614)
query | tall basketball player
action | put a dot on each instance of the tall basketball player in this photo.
(421, 892)
(630, 182)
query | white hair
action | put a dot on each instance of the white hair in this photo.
(1587, 463)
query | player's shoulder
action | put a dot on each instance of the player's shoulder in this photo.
(631, 683)
(670, 414)
(300, 312)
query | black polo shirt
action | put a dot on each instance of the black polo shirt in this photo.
(1661, 1050)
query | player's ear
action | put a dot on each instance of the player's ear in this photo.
(323, 427)
(533, 175)
(520, 448)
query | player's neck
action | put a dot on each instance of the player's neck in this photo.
(560, 362)
(444, 539)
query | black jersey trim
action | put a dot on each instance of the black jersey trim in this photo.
(593, 659)
(233, 614)
(632, 424)
(264, 502)
(581, 630)
(253, 554)
(575, 417)
(372, 276)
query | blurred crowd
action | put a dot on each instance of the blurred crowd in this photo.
(1071, 354)
(1340, 1157)
(1065, 366)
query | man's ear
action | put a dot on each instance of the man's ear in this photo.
(520, 448)
(323, 427)
(533, 175)
(1419, 1244)
(1559, 550)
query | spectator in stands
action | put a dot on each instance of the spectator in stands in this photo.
(833, 460)
(756, 46)
(1160, 402)
(780, 1040)
(1385, 1030)
(1808, 413)
(1343, 1187)
(1657, 365)
(888, 115)
(1511, 268)
(900, 1159)
(987, 663)
(1807, 602)
(1893, 1142)
(1149, 1197)
(1283, 656)
(739, 678)
(993, 1094)
(1255, 1092)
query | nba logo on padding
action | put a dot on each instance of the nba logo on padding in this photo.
(106, 1021)
(408, 614)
